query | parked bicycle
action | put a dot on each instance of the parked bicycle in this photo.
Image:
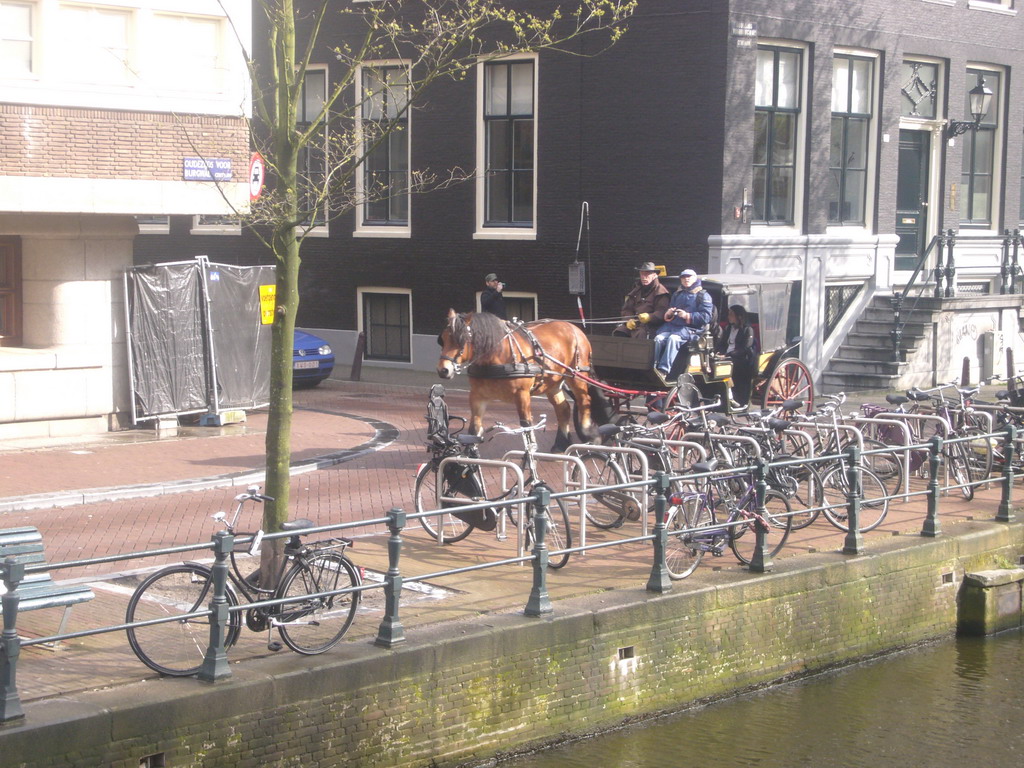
(712, 518)
(313, 619)
(458, 484)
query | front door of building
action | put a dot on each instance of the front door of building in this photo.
(912, 198)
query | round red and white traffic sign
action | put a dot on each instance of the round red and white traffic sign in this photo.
(257, 175)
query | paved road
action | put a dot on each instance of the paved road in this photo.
(336, 417)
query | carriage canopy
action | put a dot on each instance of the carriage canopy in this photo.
(766, 299)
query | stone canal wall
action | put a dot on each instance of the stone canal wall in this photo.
(462, 692)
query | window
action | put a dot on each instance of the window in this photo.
(186, 53)
(386, 325)
(777, 100)
(15, 39)
(94, 43)
(10, 292)
(385, 139)
(212, 224)
(919, 89)
(313, 157)
(509, 143)
(153, 225)
(999, 6)
(979, 167)
(852, 86)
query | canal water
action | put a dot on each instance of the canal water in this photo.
(951, 705)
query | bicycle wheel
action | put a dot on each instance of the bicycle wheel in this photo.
(960, 468)
(888, 465)
(453, 529)
(312, 625)
(176, 648)
(873, 508)
(980, 452)
(558, 536)
(683, 549)
(801, 485)
(605, 510)
(743, 537)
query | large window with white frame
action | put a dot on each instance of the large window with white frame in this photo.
(383, 186)
(17, 38)
(312, 163)
(981, 154)
(853, 85)
(186, 52)
(508, 143)
(385, 319)
(95, 43)
(777, 132)
(216, 224)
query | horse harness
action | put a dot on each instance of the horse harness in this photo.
(527, 363)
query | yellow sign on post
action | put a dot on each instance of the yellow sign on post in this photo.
(268, 300)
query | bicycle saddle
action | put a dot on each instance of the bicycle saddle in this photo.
(705, 466)
(463, 439)
(779, 425)
(657, 417)
(916, 394)
(298, 524)
(896, 399)
(792, 405)
(608, 430)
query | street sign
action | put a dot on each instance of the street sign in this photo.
(257, 174)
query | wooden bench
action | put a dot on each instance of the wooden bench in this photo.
(38, 590)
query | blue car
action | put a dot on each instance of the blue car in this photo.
(312, 360)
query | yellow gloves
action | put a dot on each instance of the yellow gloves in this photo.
(643, 317)
(631, 324)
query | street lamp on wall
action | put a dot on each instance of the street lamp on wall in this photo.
(980, 98)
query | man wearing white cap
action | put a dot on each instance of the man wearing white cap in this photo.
(685, 320)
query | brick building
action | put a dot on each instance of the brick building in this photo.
(805, 139)
(100, 106)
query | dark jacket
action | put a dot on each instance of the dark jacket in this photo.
(743, 352)
(492, 301)
(652, 299)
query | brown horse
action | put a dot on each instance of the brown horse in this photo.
(505, 363)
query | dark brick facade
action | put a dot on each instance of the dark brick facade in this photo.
(656, 134)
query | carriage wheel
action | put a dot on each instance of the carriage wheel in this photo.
(790, 380)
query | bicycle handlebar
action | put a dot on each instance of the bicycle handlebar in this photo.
(499, 427)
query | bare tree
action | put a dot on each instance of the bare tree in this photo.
(315, 145)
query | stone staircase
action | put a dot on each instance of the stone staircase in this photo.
(864, 361)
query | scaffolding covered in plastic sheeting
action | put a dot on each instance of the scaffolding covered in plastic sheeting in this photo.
(197, 341)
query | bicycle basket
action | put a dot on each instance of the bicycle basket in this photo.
(459, 479)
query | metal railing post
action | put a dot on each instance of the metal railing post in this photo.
(660, 581)
(761, 562)
(215, 664)
(934, 484)
(939, 267)
(853, 544)
(950, 264)
(1004, 513)
(931, 526)
(539, 602)
(10, 644)
(391, 632)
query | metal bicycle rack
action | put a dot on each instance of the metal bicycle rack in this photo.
(566, 461)
(641, 457)
(503, 466)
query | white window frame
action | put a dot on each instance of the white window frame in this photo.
(199, 228)
(512, 295)
(379, 230)
(870, 198)
(33, 35)
(155, 229)
(321, 230)
(800, 161)
(1004, 7)
(996, 214)
(491, 232)
(361, 321)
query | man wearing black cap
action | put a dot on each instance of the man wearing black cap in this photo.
(491, 299)
(644, 307)
(685, 320)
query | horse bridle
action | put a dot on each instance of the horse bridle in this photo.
(455, 361)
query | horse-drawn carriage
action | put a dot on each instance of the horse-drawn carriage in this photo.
(513, 362)
(627, 364)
